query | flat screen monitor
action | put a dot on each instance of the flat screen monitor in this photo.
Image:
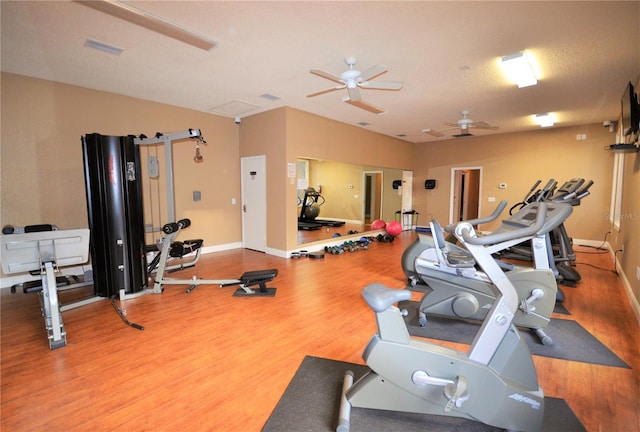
(630, 112)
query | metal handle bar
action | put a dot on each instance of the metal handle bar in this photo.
(508, 235)
(451, 227)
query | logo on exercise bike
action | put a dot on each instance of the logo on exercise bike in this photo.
(520, 398)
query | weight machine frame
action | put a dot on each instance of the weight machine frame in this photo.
(47, 251)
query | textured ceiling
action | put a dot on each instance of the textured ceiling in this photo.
(445, 53)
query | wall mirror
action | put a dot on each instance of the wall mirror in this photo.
(349, 193)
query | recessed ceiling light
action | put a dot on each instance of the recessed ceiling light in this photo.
(101, 46)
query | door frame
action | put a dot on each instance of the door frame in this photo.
(453, 198)
(379, 176)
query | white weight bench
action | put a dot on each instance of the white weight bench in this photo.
(46, 251)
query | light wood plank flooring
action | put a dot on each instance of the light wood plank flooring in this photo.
(208, 361)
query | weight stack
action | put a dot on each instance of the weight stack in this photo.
(114, 206)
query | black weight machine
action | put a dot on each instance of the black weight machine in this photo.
(310, 209)
(114, 199)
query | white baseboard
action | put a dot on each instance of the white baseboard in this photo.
(633, 300)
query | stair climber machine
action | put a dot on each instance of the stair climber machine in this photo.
(456, 287)
(571, 192)
(494, 383)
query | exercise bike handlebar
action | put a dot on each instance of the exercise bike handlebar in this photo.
(508, 235)
(493, 216)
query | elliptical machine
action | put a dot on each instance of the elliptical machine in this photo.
(455, 287)
(495, 382)
(571, 192)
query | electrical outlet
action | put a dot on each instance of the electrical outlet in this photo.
(638, 273)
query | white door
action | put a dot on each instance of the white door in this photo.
(254, 202)
(407, 190)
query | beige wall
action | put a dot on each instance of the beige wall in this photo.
(42, 178)
(519, 160)
(42, 168)
(284, 134)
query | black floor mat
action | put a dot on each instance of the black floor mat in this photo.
(570, 340)
(312, 399)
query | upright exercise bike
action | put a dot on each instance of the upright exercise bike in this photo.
(495, 382)
(455, 287)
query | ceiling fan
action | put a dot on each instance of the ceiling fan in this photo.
(354, 80)
(464, 124)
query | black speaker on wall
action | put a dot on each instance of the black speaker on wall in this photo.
(430, 184)
(396, 184)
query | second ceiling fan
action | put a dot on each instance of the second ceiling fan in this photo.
(464, 124)
(354, 80)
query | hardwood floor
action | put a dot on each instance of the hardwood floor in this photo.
(208, 361)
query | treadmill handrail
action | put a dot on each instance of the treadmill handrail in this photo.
(496, 238)
(493, 216)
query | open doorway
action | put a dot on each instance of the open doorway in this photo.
(465, 193)
(372, 196)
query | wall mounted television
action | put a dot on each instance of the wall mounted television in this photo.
(630, 114)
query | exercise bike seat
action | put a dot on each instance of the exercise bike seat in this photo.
(380, 298)
(457, 257)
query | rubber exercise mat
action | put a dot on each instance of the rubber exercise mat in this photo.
(312, 399)
(570, 340)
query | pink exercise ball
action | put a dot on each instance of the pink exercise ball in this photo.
(393, 228)
(378, 224)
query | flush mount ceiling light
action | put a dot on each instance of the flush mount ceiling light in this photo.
(544, 120)
(151, 22)
(519, 70)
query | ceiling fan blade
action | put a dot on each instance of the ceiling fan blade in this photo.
(455, 125)
(365, 106)
(432, 132)
(354, 93)
(327, 75)
(484, 125)
(381, 85)
(326, 91)
(374, 71)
